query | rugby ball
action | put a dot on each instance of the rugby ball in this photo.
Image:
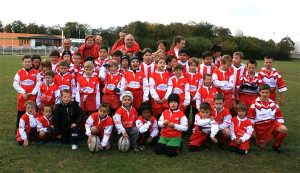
(206, 130)
(123, 144)
(94, 144)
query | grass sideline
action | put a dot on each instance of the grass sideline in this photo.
(60, 158)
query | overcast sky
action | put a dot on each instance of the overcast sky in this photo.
(264, 19)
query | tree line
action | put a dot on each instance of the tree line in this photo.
(199, 36)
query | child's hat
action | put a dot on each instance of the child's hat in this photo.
(135, 57)
(173, 97)
(127, 93)
(66, 52)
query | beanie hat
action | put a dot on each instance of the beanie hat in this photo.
(135, 57)
(173, 97)
(126, 93)
(66, 52)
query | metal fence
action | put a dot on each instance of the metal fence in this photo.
(43, 50)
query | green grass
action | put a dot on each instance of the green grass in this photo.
(60, 158)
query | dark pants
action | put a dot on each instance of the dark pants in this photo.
(70, 136)
(19, 115)
(32, 136)
(133, 134)
(170, 151)
(144, 136)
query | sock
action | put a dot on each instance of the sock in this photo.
(279, 138)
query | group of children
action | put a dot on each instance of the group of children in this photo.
(149, 99)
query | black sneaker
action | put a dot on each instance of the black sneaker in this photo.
(277, 149)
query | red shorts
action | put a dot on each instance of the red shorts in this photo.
(243, 146)
(266, 131)
(228, 100)
(112, 99)
(248, 99)
(137, 98)
(22, 101)
(197, 138)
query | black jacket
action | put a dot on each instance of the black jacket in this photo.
(65, 115)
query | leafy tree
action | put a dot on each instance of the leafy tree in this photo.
(18, 27)
(1, 27)
(54, 30)
(285, 46)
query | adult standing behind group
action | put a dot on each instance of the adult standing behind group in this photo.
(89, 48)
(126, 43)
(66, 46)
(178, 43)
(98, 40)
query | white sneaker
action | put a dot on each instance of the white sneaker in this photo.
(74, 147)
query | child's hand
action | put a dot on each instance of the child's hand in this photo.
(73, 125)
(282, 102)
(25, 143)
(29, 95)
(149, 139)
(89, 139)
(24, 96)
(125, 135)
(171, 125)
(238, 141)
(214, 139)
(166, 122)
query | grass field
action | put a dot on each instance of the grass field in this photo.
(60, 158)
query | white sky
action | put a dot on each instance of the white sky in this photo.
(259, 18)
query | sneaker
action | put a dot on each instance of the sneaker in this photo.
(141, 147)
(74, 147)
(136, 149)
(277, 149)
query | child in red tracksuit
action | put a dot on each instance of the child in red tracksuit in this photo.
(45, 66)
(207, 66)
(125, 118)
(183, 55)
(195, 81)
(147, 125)
(158, 83)
(45, 126)
(114, 84)
(100, 124)
(241, 129)
(27, 126)
(49, 93)
(26, 82)
(103, 57)
(173, 122)
(238, 69)
(137, 83)
(205, 129)
(64, 80)
(178, 84)
(248, 84)
(147, 66)
(272, 77)
(223, 81)
(206, 92)
(223, 118)
(88, 94)
(268, 120)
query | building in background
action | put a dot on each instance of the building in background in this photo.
(29, 40)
